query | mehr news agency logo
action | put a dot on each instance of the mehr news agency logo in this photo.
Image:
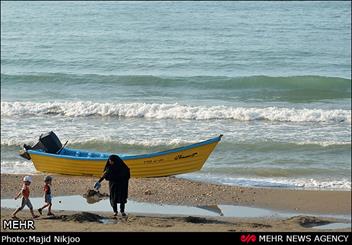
(294, 238)
(14, 224)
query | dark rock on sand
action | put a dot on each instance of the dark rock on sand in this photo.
(201, 220)
(80, 217)
(192, 219)
(309, 221)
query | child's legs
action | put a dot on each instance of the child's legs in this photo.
(30, 206)
(45, 205)
(32, 213)
(23, 203)
(16, 211)
(48, 204)
(48, 200)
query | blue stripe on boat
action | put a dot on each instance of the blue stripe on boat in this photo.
(105, 156)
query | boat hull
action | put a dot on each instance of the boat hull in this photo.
(172, 162)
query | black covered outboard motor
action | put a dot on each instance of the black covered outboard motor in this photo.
(51, 142)
(48, 142)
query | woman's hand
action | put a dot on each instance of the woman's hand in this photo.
(97, 185)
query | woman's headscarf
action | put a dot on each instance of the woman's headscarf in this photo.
(119, 167)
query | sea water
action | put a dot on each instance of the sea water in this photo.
(139, 77)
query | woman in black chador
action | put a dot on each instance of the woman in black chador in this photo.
(118, 175)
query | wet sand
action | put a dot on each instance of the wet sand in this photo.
(171, 190)
(68, 221)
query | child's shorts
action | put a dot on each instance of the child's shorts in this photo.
(47, 198)
(26, 202)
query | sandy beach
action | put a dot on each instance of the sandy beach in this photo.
(171, 190)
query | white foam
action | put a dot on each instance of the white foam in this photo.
(173, 111)
(293, 183)
(323, 143)
(17, 167)
(147, 142)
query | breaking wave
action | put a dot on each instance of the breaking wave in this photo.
(173, 111)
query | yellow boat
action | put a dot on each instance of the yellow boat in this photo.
(165, 163)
